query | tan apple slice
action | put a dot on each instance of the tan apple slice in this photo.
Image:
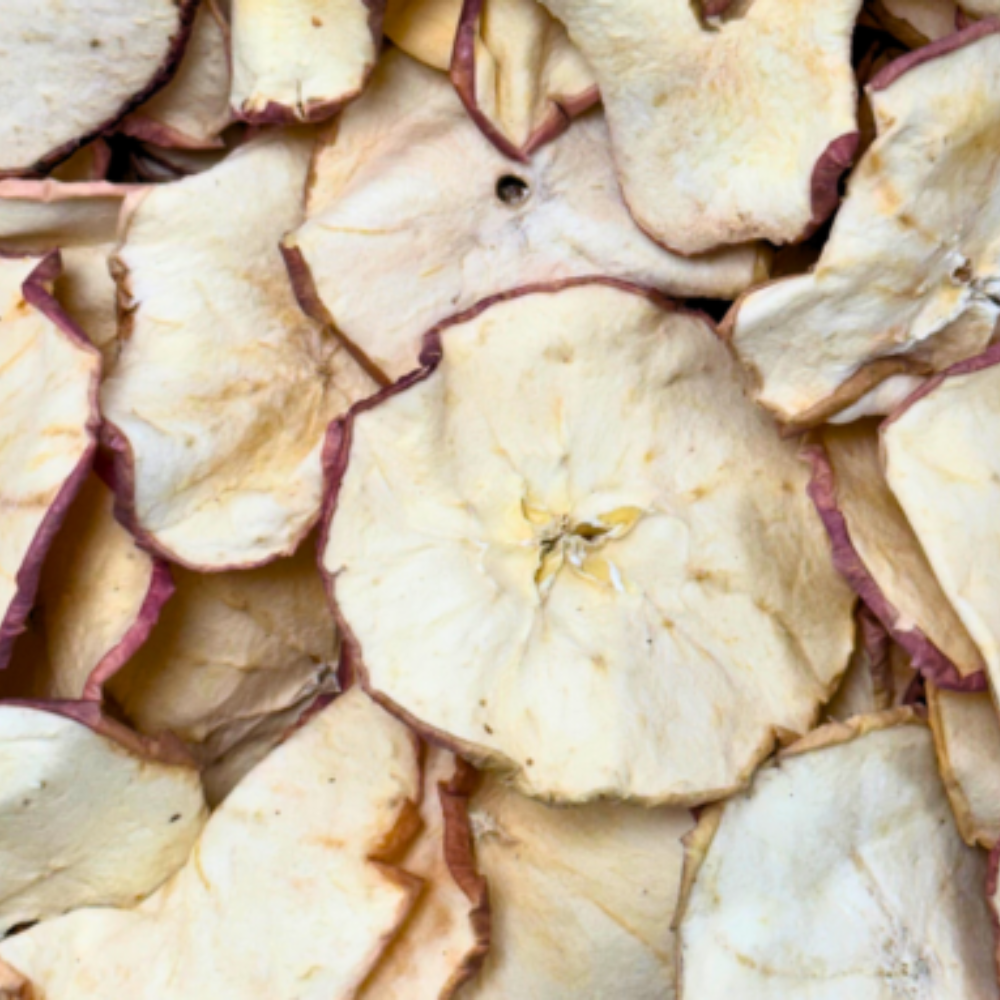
(413, 216)
(839, 873)
(424, 29)
(981, 8)
(723, 130)
(193, 109)
(282, 894)
(916, 22)
(217, 408)
(908, 282)
(89, 163)
(72, 69)
(90, 815)
(881, 558)
(967, 736)
(301, 60)
(49, 374)
(616, 587)
(233, 661)
(581, 899)
(867, 685)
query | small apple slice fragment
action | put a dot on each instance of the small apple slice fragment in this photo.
(218, 405)
(284, 893)
(90, 815)
(581, 899)
(910, 278)
(424, 29)
(617, 587)
(725, 130)
(72, 70)
(839, 873)
(413, 216)
(49, 374)
(301, 60)
(233, 661)
(867, 685)
(967, 736)
(879, 555)
(915, 23)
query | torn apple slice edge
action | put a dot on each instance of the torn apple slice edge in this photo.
(48, 269)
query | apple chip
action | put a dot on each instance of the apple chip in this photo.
(581, 898)
(218, 405)
(283, 894)
(413, 215)
(49, 375)
(193, 109)
(301, 60)
(839, 873)
(723, 131)
(616, 587)
(424, 29)
(967, 736)
(910, 278)
(89, 163)
(90, 815)
(867, 685)
(881, 558)
(73, 68)
(915, 22)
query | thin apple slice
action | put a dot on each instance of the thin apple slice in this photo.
(840, 873)
(193, 109)
(284, 893)
(301, 60)
(915, 22)
(424, 29)
(981, 8)
(72, 70)
(910, 278)
(49, 374)
(413, 215)
(725, 130)
(89, 163)
(967, 736)
(617, 586)
(218, 405)
(867, 685)
(881, 558)
(90, 815)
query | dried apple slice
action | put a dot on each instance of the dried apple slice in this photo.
(981, 8)
(967, 736)
(881, 558)
(301, 60)
(840, 873)
(723, 131)
(70, 71)
(615, 587)
(908, 282)
(89, 163)
(90, 815)
(49, 375)
(424, 29)
(233, 660)
(413, 216)
(867, 685)
(915, 22)
(218, 405)
(193, 109)
(282, 894)
(581, 899)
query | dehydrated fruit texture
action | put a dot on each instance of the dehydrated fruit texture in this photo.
(581, 898)
(909, 280)
(72, 68)
(301, 60)
(967, 735)
(424, 29)
(880, 556)
(916, 22)
(49, 374)
(723, 131)
(617, 586)
(413, 216)
(234, 659)
(282, 894)
(223, 390)
(867, 685)
(840, 873)
(89, 814)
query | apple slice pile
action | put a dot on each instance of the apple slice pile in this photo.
(499, 500)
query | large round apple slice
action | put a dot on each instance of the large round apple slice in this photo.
(283, 895)
(908, 282)
(72, 68)
(839, 874)
(413, 216)
(218, 404)
(572, 549)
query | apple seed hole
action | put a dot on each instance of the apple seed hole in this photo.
(512, 190)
